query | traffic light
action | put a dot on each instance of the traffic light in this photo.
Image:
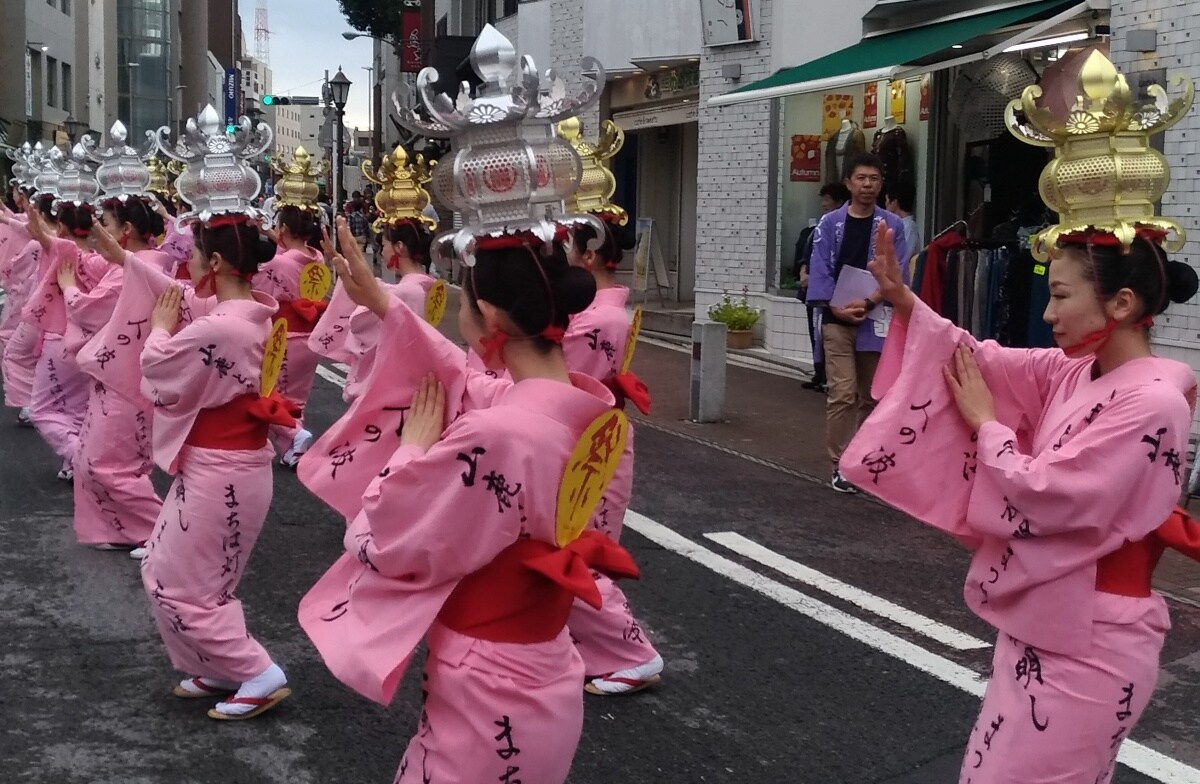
(231, 128)
(276, 100)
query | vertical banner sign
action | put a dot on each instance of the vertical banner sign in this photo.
(28, 83)
(231, 93)
(870, 104)
(806, 158)
(925, 97)
(410, 37)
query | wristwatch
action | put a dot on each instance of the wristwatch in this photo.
(870, 304)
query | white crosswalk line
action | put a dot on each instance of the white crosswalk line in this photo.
(876, 605)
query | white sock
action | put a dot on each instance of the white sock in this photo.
(213, 684)
(262, 685)
(642, 672)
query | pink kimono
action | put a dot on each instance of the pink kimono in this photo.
(18, 338)
(349, 333)
(115, 501)
(426, 532)
(60, 388)
(279, 278)
(609, 639)
(204, 381)
(1075, 468)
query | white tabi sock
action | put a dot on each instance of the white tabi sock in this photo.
(260, 686)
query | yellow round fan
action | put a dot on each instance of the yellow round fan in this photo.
(591, 467)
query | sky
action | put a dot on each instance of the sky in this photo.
(306, 39)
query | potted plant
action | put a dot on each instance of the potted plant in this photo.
(738, 317)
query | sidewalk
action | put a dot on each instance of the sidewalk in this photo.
(769, 417)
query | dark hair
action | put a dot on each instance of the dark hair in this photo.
(45, 204)
(616, 240)
(865, 161)
(136, 211)
(239, 244)
(10, 199)
(1144, 271)
(414, 238)
(536, 291)
(302, 224)
(836, 191)
(166, 202)
(77, 218)
(904, 194)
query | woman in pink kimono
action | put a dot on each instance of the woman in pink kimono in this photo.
(210, 431)
(115, 504)
(349, 333)
(617, 655)
(1054, 467)
(19, 262)
(281, 278)
(60, 389)
(456, 540)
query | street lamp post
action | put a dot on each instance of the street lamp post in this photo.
(74, 127)
(339, 90)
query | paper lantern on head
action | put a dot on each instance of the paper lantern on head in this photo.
(77, 183)
(401, 197)
(218, 179)
(122, 171)
(297, 186)
(1105, 177)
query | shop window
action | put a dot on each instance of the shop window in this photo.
(51, 81)
(66, 7)
(67, 87)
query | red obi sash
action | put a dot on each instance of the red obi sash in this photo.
(301, 315)
(242, 423)
(628, 387)
(1128, 571)
(182, 273)
(525, 594)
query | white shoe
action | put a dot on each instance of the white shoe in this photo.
(23, 419)
(300, 445)
(627, 681)
(138, 553)
(66, 475)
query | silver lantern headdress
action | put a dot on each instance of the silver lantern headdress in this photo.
(122, 169)
(508, 173)
(77, 176)
(22, 171)
(45, 166)
(217, 180)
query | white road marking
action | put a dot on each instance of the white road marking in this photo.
(876, 605)
(1134, 755)
(339, 367)
(331, 377)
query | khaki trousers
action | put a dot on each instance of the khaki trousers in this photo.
(849, 375)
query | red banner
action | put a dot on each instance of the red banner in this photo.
(410, 37)
(870, 105)
(806, 158)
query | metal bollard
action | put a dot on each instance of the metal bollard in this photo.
(707, 402)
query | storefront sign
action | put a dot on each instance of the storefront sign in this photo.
(654, 118)
(925, 97)
(410, 37)
(684, 79)
(230, 93)
(898, 90)
(870, 104)
(726, 21)
(806, 158)
(28, 83)
(835, 109)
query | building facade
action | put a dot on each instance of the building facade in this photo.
(298, 126)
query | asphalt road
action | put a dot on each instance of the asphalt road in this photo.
(759, 686)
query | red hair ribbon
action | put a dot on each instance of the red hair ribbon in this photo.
(493, 346)
(554, 334)
(1110, 240)
(228, 219)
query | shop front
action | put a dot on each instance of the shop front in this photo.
(930, 101)
(658, 109)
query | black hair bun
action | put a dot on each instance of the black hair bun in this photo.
(1182, 281)
(626, 236)
(574, 290)
(264, 250)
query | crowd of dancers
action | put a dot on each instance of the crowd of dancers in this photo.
(483, 490)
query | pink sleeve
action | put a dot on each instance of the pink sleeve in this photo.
(46, 309)
(915, 451)
(92, 310)
(343, 461)
(328, 338)
(1127, 465)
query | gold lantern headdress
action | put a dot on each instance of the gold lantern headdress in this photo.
(597, 185)
(402, 197)
(298, 184)
(1105, 178)
(158, 177)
